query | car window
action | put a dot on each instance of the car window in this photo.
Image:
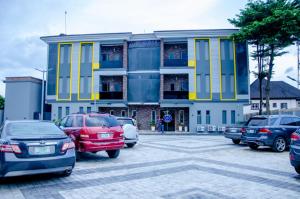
(125, 121)
(63, 122)
(78, 121)
(69, 122)
(290, 121)
(258, 121)
(32, 128)
(97, 120)
(272, 120)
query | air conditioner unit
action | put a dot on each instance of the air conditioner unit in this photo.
(200, 128)
(211, 128)
(221, 128)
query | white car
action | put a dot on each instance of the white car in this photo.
(131, 135)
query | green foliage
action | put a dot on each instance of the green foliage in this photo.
(2, 102)
(270, 26)
(152, 123)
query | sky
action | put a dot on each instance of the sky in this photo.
(22, 23)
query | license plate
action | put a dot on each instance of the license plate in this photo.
(233, 130)
(250, 131)
(105, 135)
(41, 150)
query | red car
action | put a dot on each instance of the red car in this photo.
(94, 132)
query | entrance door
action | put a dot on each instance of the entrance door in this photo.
(169, 119)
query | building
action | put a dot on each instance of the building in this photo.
(192, 76)
(282, 96)
(22, 98)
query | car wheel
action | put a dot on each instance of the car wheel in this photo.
(130, 145)
(279, 144)
(297, 169)
(236, 141)
(67, 173)
(113, 153)
(253, 146)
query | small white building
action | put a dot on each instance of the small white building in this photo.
(282, 96)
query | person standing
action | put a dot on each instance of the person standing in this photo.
(162, 126)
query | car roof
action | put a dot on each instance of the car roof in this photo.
(27, 121)
(90, 114)
(125, 118)
(273, 116)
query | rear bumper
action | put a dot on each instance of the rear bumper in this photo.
(295, 155)
(13, 166)
(88, 146)
(234, 136)
(130, 140)
(262, 140)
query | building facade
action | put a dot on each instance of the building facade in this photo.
(22, 98)
(192, 76)
(282, 96)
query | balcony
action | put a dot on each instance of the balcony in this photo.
(175, 62)
(176, 94)
(175, 54)
(111, 56)
(114, 95)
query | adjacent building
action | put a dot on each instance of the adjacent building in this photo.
(196, 77)
(282, 96)
(22, 98)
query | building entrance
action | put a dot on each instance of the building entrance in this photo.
(168, 117)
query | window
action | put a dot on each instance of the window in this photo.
(274, 105)
(78, 121)
(67, 110)
(81, 110)
(181, 116)
(88, 109)
(172, 87)
(283, 105)
(258, 121)
(123, 113)
(112, 112)
(153, 116)
(207, 83)
(199, 119)
(207, 117)
(109, 121)
(184, 85)
(255, 106)
(298, 103)
(105, 87)
(224, 117)
(133, 113)
(104, 57)
(233, 117)
(171, 55)
(63, 122)
(69, 122)
(59, 112)
(289, 121)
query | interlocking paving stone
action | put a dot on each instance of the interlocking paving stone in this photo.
(157, 164)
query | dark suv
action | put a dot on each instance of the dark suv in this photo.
(273, 130)
(94, 132)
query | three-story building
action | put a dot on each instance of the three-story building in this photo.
(193, 76)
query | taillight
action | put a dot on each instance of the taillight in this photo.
(264, 130)
(7, 148)
(67, 145)
(243, 130)
(295, 136)
(84, 136)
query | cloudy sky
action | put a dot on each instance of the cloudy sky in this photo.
(22, 23)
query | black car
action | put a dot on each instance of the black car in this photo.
(34, 147)
(295, 150)
(273, 130)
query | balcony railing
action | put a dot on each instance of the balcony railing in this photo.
(176, 94)
(175, 62)
(111, 95)
(111, 64)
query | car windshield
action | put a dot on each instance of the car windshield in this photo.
(258, 121)
(125, 121)
(33, 128)
(98, 120)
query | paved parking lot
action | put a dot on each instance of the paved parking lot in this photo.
(169, 167)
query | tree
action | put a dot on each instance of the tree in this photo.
(271, 25)
(1, 102)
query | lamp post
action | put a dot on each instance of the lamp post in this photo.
(43, 93)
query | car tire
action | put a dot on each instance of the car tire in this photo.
(297, 169)
(253, 146)
(130, 145)
(236, 141)
(279, 144)
(113, 153)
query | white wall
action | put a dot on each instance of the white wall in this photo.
(291, 103)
